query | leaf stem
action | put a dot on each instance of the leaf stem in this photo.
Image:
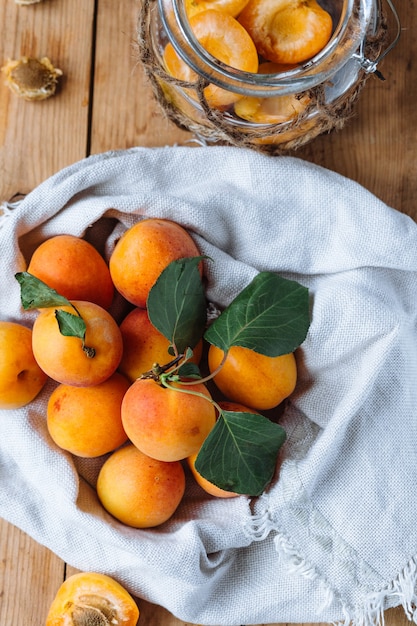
(89, 351)
(157, 370)
(167, 385)
(210, 376)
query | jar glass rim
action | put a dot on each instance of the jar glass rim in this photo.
(347, 35)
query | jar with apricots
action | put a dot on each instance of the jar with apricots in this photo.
(265, 74)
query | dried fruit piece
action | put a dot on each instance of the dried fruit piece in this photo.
(32, 79)
(91, 599)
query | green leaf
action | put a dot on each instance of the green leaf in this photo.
(177, 304)
(240, 453)
(70, 325)
(189, 370)
(270, 316)
(35, 294)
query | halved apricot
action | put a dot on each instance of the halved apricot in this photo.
(287, 31)
(226, 40)
(272, 110)
(232, 7)
(92, 599)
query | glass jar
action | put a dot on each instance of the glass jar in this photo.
(298, 103)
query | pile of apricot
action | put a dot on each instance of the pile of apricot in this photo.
(256, 36)
(102, 404)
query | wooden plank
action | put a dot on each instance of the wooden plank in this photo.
(377, 148)
(126, 115)
(29, 577)
(39, 138)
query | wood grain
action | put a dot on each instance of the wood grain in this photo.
(38, 139)
(105, 103)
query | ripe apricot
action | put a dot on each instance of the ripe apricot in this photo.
(226, 40)
(144, 345)
(287, 31)
(252, 379)
(232, 7)
(140, 491)
(272, 110)
(74, 268)
(143, 252)
(90, 598)
(87, 421)
(64, 359)
(205, 484)
(167, 424)
(21, 378)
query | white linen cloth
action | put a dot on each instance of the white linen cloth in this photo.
(335, 536)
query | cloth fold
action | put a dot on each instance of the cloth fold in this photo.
(334, 537)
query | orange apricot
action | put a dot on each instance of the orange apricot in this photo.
(92, 598)
(274, 109)
(226, 40)
(144, 345)
(64, 359)
(74, 268)
(140, 491)
(205, 484)
(21, 378)
(86, 421)
(143, 252)
(167, 424)
(252, 379)
(287, 31)
(232, 7)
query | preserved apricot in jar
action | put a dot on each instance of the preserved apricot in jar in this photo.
(92, 599)
(226, 40)
(232, 7)
(287, 31)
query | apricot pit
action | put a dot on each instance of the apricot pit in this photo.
(92, 599)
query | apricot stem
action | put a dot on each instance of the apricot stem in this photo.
(210, 376)
(90, 352)
(157, 370)
(166, 384)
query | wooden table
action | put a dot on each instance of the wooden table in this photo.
(104, 102)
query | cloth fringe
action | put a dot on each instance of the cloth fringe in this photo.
(6, 209)
(371, 611)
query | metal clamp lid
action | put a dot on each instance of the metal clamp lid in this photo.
(371, 66)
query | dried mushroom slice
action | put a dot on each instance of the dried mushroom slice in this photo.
(31, 78)
(92, 599)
